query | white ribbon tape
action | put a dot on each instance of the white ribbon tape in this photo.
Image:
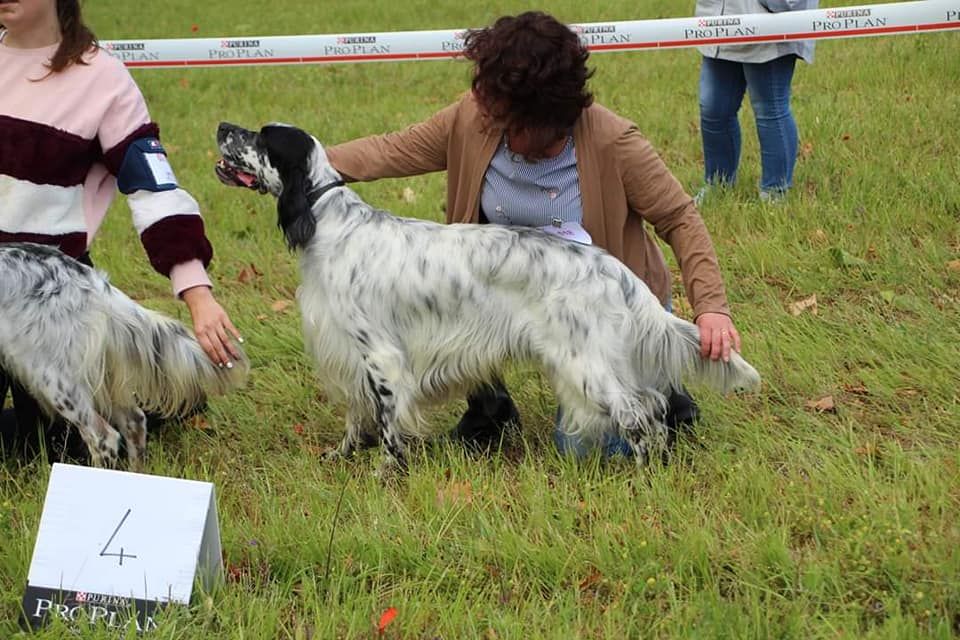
(672, 33)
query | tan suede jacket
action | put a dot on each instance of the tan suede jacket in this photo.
(623, 182)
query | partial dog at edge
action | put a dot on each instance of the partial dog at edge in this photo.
(399, 312)
(92, 355)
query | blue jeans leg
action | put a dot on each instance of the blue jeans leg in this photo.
(722, 85)
(769, 87)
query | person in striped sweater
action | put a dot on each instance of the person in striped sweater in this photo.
(74, 128)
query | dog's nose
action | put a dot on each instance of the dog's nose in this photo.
(224, 130)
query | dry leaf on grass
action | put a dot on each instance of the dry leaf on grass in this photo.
(856, 389)
(819, 236)
(798, 307)
(455, 493)
(281, 305)
(248, 273)
(953, 265)
(409, 195)
(822, 405)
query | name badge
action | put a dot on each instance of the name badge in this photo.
(568, 231)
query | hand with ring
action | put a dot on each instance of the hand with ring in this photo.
(717, 336)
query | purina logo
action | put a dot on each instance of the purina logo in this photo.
(718, 22)
(125, 46)
(833, 14)
(356, 39)
(848, 19)
(239, 44)
(600, 35)
(595, 28)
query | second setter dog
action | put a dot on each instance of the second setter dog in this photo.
(399, 312)
(91, 355)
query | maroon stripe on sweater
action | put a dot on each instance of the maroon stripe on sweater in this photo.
(72, 244)
(176, 239)
(43, 154)
(113, 157)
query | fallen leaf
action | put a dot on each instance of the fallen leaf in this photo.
(856, 389)
(953, 265)
(455, 493)
(409, 195)
(798, 307)
(194, 28)
(386, 619)
(819, 236)
(199, 422)
(593, 578)
(806, 150)
(298, 429)
(822, 405)
(248, 274)
(866, 450)
(281, 305)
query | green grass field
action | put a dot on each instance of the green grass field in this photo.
(778, 521)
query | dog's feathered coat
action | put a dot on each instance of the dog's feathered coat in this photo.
(397, 311)
(92, 355)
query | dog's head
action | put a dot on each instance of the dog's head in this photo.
(282, 160)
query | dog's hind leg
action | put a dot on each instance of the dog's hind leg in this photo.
(640, 424)
(132, 424)
(596, 402)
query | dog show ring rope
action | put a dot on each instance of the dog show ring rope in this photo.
(921, 16)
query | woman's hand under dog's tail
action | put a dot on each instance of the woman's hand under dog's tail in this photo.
(725, 376)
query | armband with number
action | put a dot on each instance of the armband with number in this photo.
(145, 168)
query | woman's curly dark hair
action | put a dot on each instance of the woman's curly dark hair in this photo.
(530, 72)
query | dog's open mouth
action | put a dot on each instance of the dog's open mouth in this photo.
(233, 177)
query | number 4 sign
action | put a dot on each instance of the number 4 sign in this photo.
(113, 546)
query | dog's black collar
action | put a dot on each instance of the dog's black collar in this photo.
(314, 194)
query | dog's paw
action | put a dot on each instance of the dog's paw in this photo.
(333, 456)
(106, 451)
(390, 470)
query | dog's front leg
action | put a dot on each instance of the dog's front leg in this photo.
(385, 403)
(361, 433)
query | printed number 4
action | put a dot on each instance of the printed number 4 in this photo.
(121, 555)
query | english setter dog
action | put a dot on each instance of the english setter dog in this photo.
(397, 312)
(93, 356)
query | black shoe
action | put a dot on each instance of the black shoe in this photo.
(682, 414)
(61, 441)
(490, 412)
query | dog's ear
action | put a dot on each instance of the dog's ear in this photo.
(288, 149)
(294, 214)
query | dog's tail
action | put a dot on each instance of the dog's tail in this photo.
(159, 361)
(678, 355)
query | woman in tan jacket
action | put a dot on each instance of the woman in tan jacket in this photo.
(528, 146)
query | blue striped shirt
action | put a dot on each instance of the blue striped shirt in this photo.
(532, 194)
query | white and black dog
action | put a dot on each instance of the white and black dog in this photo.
(397, 312)
(90, 354)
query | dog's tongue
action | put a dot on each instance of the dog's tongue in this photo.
(245, 178)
